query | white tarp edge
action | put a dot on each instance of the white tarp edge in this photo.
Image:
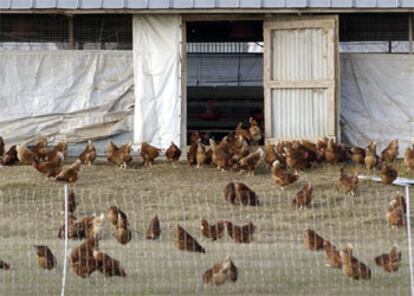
(157, 67)
(77, 94)
(377, 95)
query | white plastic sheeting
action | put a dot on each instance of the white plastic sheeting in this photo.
(157, 72)
(377, 95)
(77, 94)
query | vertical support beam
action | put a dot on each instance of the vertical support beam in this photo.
(410, 250)
(183, 84)
(70, 28)
(410, 32)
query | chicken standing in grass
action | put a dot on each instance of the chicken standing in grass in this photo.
(390, 262)
(358, 155)
(388, 174)
(282, 177)
(185, 242)
(192, 154)
(240, 194)
(240, 131)
(123, 235)
(304, 197)
(240, 234)
(352, 267)
(214, 231)
(371, 157)
(348, 183)
(396, 212)
(60, 147)
(71, 174)
(390, 153)
(107, 265)
(4, 265)
(333, 256)
(88, 155)
(45, 257)
(25, 155)
(154, 229)
(40, 150)
(149, 154)
(10, 158)
(173, 154)
(221, 272)
(81, 259)
(313, 241)
(50, 168)
(255, 132)
(409, 158)
(121, 156)
(201, 155)
(114, 214)
(251, 162)
(270, 155)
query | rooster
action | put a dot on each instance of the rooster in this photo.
(238, 193)
(88, 155)
(214, 231)
(119, 155)
(348, 184)
(173, 154)
(313, 241)
(390, 153)
(50, 168)
(304, 197)
(221, 272)
(71, 174)
(185, 242)
(107, 265)
(45, 257)
(25, 155)
(282, 177)
(240, 234)
(389, 262)
(149, 154)
(154, 229)
(352, 267)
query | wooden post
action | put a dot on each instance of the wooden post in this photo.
(70, 27)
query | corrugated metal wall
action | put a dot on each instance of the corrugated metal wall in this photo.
(303, 52)
(201, 4)
(299, 113)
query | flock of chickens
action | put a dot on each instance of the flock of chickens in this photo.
(239, 153)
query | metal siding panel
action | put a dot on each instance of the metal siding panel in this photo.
(204, 3)
(67, 3)
(250, 3)
(90, 4)
(274, 3)
(388, 3)
(407, 3)
(299, 113)
(299, 55)
(45, 4)
(366, 3)
(137, 3)
(113, 4)
(159, 4)
(320, 3)
(342, 3)
(5, 4)
(296, 3)
(228, 3)
(21, 4)
(183, 4)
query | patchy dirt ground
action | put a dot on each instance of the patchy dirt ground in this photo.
(276, 263)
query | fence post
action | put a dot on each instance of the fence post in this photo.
(65, 256)
(410, 250)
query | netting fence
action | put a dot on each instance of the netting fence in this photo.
(275, 262)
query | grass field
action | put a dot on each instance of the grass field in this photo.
(276, 263)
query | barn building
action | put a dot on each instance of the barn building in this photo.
(155, 70)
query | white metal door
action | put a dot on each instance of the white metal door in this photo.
(300, 77)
